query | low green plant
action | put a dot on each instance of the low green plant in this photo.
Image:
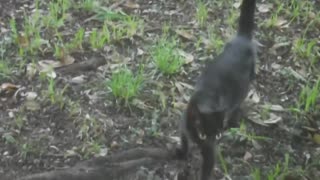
(90, 148)
(118, 33)
(14, 31)
(280, 171)
(57, 14)
(232, 18)
(55, 95)
(30, 41)
(59, 51)
(294, 9)
(202, 13)
(89, 5)
(133, 24)
(309, 97)
(273, 21)
(256, 174)
(304, 49)
(105, 14)
(8, 138)
(76, 42)
(216, 42)
(124, 84)
(243, 134)
(299, 10)
(51, 90)
(223, 163)
(99, 38)
(19, 121)
(28, 148)
(165, 56)
(4, 70)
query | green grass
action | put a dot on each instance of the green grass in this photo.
(232, 18)
(54, 95)
(105, 14)
(280, 171)
(216, 42)
(202, 13)
(124, 84)
(77, 41)
(223, 163)
(309, 97)
(133, 24)
(57, 14)
(4, 70)
(243, 134)
(165, 56)
(98, 39)
(53, 34)
(273, 21)
(89, 5)
(29, 39)
(306, 50)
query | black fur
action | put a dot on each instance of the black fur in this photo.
(219, 92)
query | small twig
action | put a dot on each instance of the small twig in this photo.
(90, 65)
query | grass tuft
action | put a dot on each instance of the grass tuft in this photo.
(165, 56)
(202, 13)
(124, 84)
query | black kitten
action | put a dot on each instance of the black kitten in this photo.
(219, 92)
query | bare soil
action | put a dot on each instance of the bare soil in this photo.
(54, 137)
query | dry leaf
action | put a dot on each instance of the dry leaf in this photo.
(185, 34)
(257, 43)
(31, 95)
(32, 105)
(11, 114)
(256, 118)
(253, 96)
(188, 57)
(276, 66)
(237, 4)
(273, 107)
(23, 41)
(263, 8)
(174, 139)
(281, 22)
(179, 87)
(78, 80)
(179, 105)
(49, 73)
(31, 70)
(278, 45)
(187, 85)
(273, 119)
(103, 152)
(45, 64)
(140, 52)
(316, 138)
(66, 60)
(256, 145)
(114, 144)
(247, 156)
(296, 74)
(8, 87)
(131, 5)
(140, 104)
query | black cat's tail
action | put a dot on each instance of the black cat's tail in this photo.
(246, 21)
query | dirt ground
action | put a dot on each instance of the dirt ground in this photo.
(89, 122)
